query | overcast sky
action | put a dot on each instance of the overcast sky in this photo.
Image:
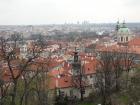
(21, 12)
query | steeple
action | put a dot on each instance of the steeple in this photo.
(118, 25)
(75, 56)
(124, 34)
(123, 24)
(76, 65)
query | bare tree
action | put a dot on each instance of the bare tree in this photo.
(35, 78)
(128, 62)
(110, 72)
(117, 67)
(104, 78)
(17, 67)
(3, 91)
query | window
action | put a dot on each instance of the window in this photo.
(90, 76)
(83, 90)
(62, 93)
(121, 39)
(71, 92)
(126, 38)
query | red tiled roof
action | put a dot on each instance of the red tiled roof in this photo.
(134, 42)
(90, 67)
(62, 82)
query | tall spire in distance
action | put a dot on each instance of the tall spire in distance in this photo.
(118, 25)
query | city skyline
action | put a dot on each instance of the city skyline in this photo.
(34, 12)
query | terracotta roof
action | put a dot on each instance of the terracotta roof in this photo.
(90, 67)
(134, 42)
(63, 82)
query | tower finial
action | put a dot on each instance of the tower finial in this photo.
(118, 25)
(118, 21)
(124, 23)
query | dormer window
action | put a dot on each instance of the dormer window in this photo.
(66, 80)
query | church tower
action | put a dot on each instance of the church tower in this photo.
(123, 33)
(76, 65)
(117, 26)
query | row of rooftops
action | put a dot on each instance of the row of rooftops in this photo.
(59, 67)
